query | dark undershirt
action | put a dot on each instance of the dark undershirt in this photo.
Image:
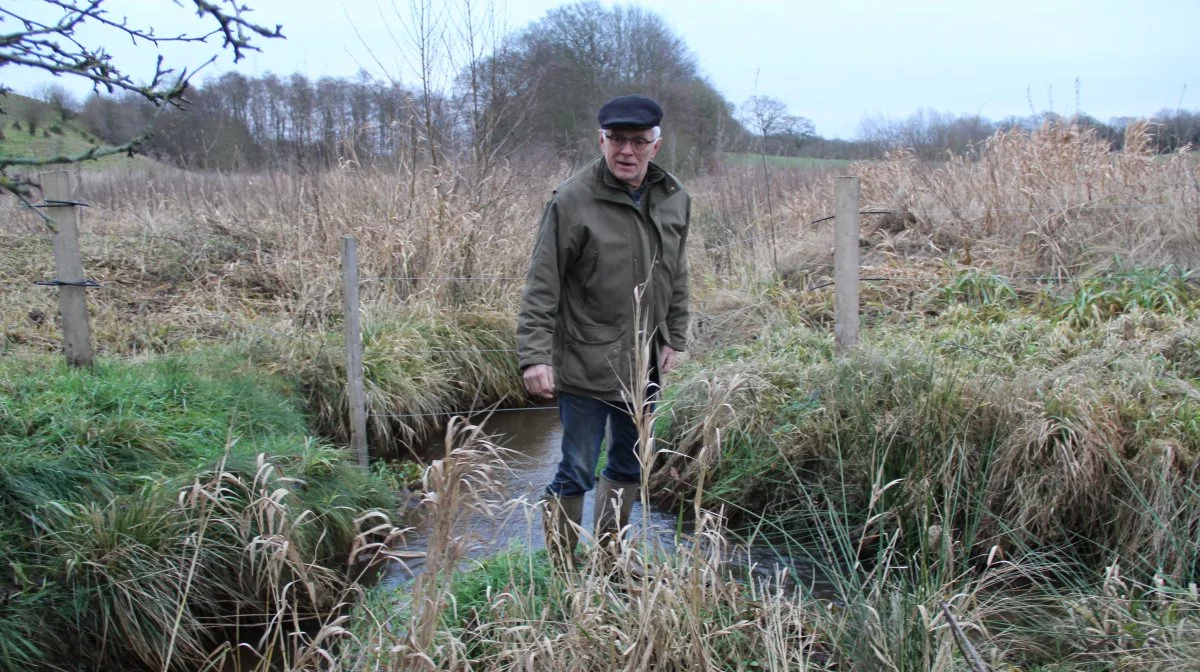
(636, 194)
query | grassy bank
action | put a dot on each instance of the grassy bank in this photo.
(153, 511)
(998, 473)
(1032, 455)
(420, 368)
(1070, 420)
(51, 134)
(512, 610)
(922, 585)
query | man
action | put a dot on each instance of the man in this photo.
(617, 227)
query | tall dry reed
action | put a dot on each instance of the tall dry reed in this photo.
(1056, 200)
(188, 255)
(687, 612)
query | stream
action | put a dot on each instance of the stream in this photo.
(533, 436)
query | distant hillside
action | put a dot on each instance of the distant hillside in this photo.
(33, 129)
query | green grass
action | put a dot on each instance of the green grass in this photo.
(1095, 300)
(802, 162)
(52, 137)
(1032, 454)
(417, 366)
(131, 499)
(474, 596)
(1091, 419)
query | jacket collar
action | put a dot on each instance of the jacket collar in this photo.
(656, 178)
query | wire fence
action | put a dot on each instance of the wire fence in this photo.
(416, 278)
(463, 413)
(226, 243)
(970, 211)
(319, 340)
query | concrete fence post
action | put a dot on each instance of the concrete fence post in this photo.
(354, 365)
(845, 265)
(72, 295)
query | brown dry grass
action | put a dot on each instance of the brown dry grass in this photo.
(1056, 201)
(189, 257)
(195, 258)
(185, 255)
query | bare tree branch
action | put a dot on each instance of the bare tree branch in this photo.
(53, 47)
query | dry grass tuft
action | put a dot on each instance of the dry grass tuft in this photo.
(687, 612)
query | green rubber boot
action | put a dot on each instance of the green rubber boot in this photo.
(614, 501)
(561, 519)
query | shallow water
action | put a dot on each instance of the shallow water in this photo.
(533, 436)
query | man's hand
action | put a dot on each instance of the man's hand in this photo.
(666, 359)
(539, 381)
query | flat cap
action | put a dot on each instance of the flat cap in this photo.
(630, 112)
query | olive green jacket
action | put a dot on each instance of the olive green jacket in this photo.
(594, 247)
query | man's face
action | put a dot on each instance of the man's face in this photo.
(628, 152)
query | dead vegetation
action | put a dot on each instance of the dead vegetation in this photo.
(1097, 374)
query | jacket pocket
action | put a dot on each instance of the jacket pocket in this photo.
(593, 334)
(594, 358)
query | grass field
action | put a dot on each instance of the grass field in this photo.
(52, 136)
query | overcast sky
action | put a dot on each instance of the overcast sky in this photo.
(833, 61)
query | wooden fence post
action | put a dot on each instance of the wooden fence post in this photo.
(354, 366)
(845, 265)
(72, 297)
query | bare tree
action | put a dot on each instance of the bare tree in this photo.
(489, 120)
(932, 134)
(33, 112)
(55, 47)
(61, 102)
(768, 118)
(425, 33)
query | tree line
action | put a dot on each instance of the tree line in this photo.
(477, 93)
(236, 122)
(934, 135)
(534, 92)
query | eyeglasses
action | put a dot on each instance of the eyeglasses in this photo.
(638, 143)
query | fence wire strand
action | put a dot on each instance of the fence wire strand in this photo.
(482, 278)
(323, 342)
(445, 414)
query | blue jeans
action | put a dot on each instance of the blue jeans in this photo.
(583, 421)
